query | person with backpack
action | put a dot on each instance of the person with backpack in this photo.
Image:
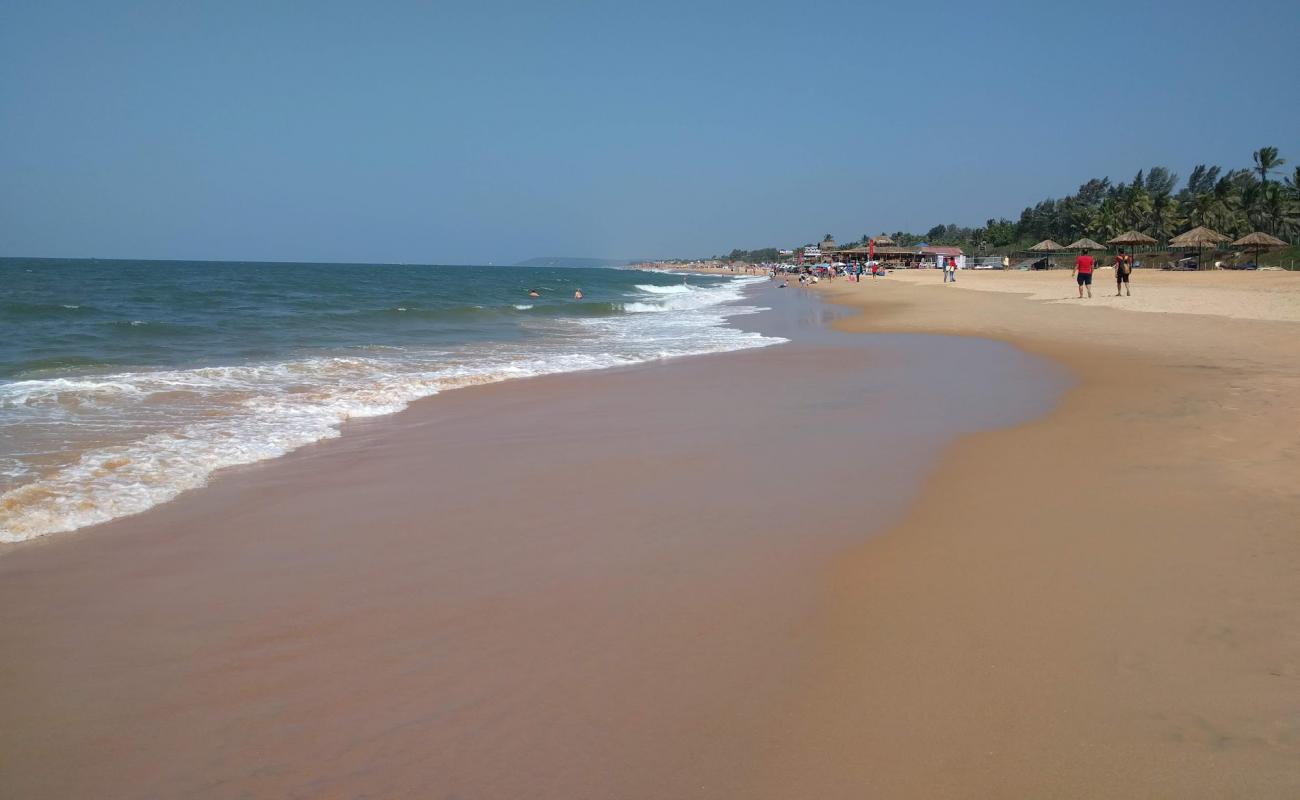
(1123, 268)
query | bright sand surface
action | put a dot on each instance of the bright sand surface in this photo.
(1101, 603)
(597, 585)
(1271, 295)
(655, 582)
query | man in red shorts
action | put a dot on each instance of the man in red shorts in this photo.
(1083, 272)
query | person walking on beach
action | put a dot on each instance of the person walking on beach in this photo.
(949, 269)
(1083, 272)
(1123, 267)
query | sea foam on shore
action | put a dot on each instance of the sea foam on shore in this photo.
(84, 446)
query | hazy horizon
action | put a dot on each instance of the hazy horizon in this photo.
(501, 132)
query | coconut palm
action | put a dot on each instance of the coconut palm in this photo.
(1293, 184)
(1164, 216)
(1268, 210)
(1266, 161)
(1137, 207)
(1108, 222)
(1200, 209)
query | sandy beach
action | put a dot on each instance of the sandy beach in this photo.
(1102, 603)
(842, 567)
(594, 585)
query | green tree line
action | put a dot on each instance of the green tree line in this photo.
(1234, 202)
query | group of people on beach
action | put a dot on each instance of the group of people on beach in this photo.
(1123, 264)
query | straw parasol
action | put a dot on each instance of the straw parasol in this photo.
(1259, 242)
(1198, 237)
(1087, 244)
(1132, 239)
(1047, 246)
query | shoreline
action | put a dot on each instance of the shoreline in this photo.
(1101, 602)
(575, 585)
(302, 398)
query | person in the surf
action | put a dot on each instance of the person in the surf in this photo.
(577, 295)
(534, 293)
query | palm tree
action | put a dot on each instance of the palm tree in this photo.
(1266, 161)
(1203, 210)
(1136, 208)
(1293, 184)
(1164, 216)
(1108, 222)
(1228, 199)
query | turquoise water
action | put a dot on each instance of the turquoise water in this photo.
(124, 383)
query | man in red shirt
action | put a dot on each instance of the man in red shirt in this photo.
(1083, 272)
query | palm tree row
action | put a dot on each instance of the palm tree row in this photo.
(1234, 202)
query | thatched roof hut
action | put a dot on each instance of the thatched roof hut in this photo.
(1086, 244)
(883, 240)
(1046, 246)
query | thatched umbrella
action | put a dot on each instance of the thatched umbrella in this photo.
(1131, 239)
(1047, 246)
(1198, 237)
(1086, 244)
(1259, 242)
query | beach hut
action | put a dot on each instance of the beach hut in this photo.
(1047, 246)
(1259, 242)
(1198, 237)
(883, 240)
(1086, 244)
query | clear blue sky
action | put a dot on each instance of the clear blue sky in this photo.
(487, 131)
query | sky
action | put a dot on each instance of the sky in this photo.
(491, 132)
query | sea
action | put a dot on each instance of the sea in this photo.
(125, 383)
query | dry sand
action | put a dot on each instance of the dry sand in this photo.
(1103, 603)
(1268, 294)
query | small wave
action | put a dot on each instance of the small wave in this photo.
(20, 310)
(192, 422)
(675, 288)
(522, 307)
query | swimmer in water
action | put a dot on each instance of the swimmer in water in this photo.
(577, 295)
(534, 293)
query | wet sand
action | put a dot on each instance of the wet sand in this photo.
(1101, 603)
(595, 585)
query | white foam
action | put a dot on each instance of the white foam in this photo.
(673, 289)
(186, 424)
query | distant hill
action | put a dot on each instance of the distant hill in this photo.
(569, 261)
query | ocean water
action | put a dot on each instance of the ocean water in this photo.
(125, 383)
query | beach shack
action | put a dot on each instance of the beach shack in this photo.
(933, 256)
